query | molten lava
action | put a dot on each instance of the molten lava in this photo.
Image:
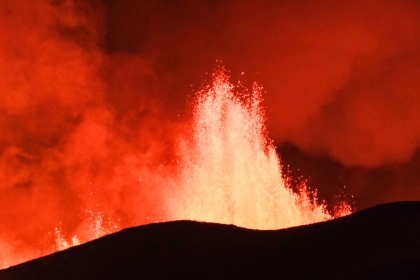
(228, 172)
(232, 173)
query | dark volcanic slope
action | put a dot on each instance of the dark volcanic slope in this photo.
(379, 243)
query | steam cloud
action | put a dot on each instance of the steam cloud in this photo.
(91, 92)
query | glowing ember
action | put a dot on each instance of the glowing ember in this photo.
(232, 173)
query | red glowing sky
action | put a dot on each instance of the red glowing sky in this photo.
(94, 93)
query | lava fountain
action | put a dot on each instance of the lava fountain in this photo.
(227, 172)
(232, 173)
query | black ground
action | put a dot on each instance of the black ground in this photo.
(378, 243)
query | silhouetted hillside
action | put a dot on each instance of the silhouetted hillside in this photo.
(379, 243)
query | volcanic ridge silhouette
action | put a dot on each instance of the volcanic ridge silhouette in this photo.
(382, 242)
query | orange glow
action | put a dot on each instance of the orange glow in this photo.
(232, 174)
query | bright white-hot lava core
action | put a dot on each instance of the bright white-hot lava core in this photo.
(228, 172)
(232, 173)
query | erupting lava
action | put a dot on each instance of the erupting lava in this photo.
(232, 174)
(229, 172)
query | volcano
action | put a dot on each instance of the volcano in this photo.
(378, 243)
